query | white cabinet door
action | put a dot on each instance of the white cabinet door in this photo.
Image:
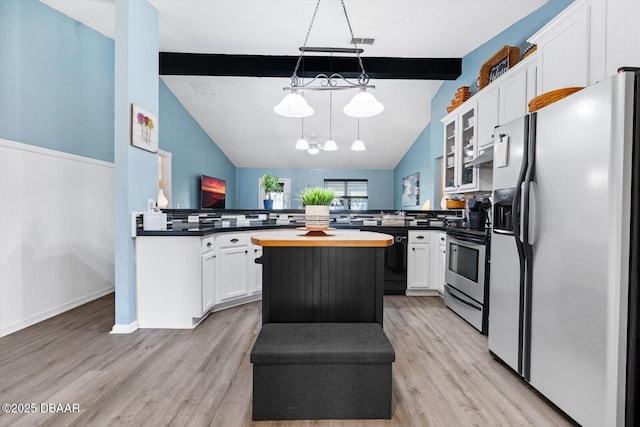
(622, 36)
(439, 264)
(255, 270)
(418, 266)
(233, 272)
(487, 115)
(208, 280)
(563, 50)
(513, 96)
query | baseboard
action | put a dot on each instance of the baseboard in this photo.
(6, 330)
(124, 329)
(422, 293)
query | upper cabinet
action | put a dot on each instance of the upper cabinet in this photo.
(461, 147)
(587, 42)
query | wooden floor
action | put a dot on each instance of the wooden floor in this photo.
(443, 374)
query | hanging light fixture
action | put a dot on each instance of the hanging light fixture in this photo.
(313, 149)
(302, 143)
(358, 145)
(330, 145)
(363, 104)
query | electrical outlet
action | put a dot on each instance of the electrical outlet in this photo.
(151, 205)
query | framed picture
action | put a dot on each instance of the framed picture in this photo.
(144, 129)
(498, 64)
(411, 190)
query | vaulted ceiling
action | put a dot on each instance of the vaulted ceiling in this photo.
(237, 112)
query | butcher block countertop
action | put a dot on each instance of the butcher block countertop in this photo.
(330, 238)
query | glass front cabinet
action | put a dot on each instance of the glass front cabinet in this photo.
(461, 147)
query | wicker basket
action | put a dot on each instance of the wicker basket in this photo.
(550, 97)
(456, 204)
(512, 52)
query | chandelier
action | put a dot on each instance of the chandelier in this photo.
(363, 104)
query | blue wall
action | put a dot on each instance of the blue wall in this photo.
(56, 81)
(415, 160)
(193, 153)
(432, 137)
(57, 91)
(380, 184)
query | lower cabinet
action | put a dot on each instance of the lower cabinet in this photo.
(234, 262)
(179, 280)
(440, 262)
(209, 276)
(255, 270)
(422, 262)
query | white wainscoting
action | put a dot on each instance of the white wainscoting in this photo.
(57, 225)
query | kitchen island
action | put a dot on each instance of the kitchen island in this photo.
(336, 277)
(322, 353)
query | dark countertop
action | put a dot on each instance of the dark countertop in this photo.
(207, 229)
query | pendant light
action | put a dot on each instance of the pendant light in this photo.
(358, 145)
(302, 143)
(363, 104)
(330, 145)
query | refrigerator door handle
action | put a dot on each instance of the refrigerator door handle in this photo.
(532, 203)
(524, 206)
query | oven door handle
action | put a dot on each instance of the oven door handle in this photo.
(476, 240)
(465, 302)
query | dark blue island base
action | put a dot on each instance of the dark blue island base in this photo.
(322, 371)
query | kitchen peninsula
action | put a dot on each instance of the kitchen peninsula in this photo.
(204, 260)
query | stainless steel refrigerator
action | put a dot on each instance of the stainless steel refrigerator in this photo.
(564, 267)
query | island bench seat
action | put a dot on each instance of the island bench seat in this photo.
(322, 371)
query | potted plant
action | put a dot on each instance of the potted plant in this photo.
(316, 202)
(270, 184)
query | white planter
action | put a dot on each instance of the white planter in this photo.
(316, 217)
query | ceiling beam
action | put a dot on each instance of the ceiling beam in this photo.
(197, 64)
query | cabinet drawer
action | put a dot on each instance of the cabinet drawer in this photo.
(419, 237)
(232, 239)
(206, 244)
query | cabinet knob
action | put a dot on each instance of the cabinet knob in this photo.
(413, 249)
(234, 240)
(246, 252)
(208, 244)
(420, 237)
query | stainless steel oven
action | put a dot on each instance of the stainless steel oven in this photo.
(466, 276)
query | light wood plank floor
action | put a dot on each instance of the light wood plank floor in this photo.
(443, 374)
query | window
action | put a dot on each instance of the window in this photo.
(281, 200)
(351, 194)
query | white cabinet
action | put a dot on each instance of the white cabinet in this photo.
(488, 114)
(180, 279)
(587, 42)
(170, 281)
(439, 262)
(421, 269)
(234, 262)
(513, 96)
(460, 147)
(418, 260)
(255, 270)
(209, 280)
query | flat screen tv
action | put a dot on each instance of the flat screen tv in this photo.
(212, 192)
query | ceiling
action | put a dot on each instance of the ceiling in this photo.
(237, 112)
